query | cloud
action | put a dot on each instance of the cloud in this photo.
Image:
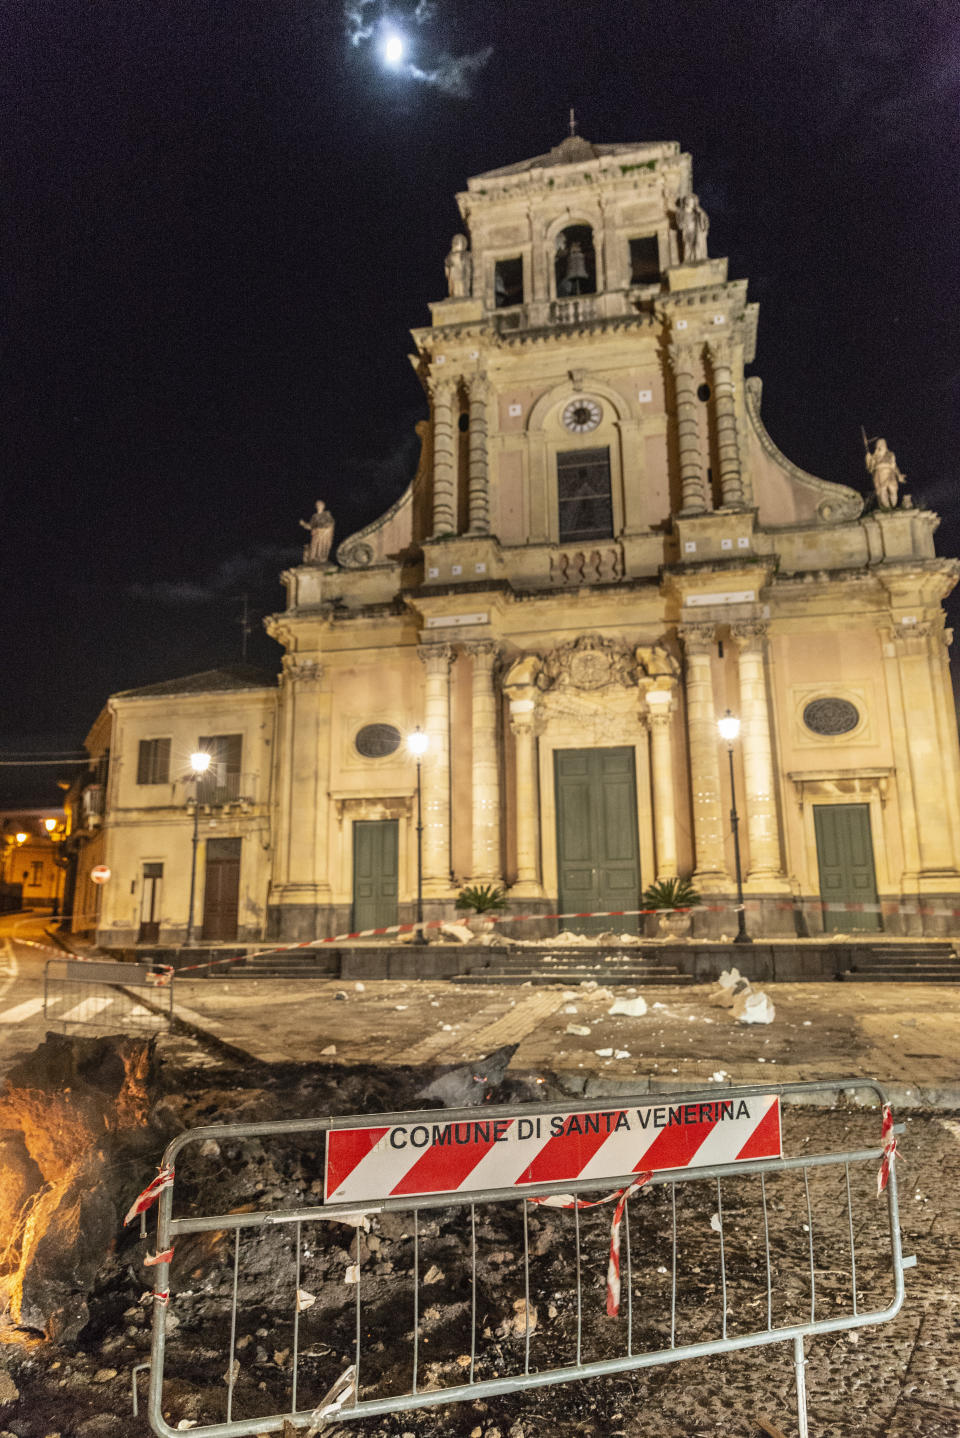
(245, 569)
(450, 74)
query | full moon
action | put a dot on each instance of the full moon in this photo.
(393, 49)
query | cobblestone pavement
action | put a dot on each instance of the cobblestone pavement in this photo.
(905, 1035)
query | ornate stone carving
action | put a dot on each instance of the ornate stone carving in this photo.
(698, 638)
(751, 635)
(523, 672)
(358, 556)
(656, 661)
(693, 225)
(378, 741)
(588, 663)
(302, 671)
(435, 658)
(838, 503)
(590, 566)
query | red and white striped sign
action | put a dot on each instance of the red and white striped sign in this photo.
(497, 1149)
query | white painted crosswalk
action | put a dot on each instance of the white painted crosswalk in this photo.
(93, 1009)
(20, 1012)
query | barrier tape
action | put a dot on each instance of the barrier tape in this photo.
(566, 1200)
(889, 1149)
(886, 909)
(152, 1259)
(150, 1194)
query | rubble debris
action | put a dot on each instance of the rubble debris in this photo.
(630, 1008)
(753, 1007)
(578, 1030)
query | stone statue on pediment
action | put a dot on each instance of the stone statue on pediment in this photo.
(693, 225)
(459, 268)
(882, 467)
(320, 529)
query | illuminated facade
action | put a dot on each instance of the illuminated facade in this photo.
(602, 550)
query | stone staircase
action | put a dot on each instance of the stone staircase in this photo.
(573, 966)
(295, 964)
(923, 962)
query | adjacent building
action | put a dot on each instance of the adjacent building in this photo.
(601, 552)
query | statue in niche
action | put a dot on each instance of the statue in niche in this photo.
(458, 267)
(320, 529)
(693, 225)
(882, 467)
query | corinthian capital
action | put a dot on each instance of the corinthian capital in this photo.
(483, 652)
(302, 671)
(682, 358)
(698, 638)
(435, 658)
(751, 636)
(441, 389)
(720, 352)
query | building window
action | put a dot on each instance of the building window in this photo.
(153, 761)
(584, 504)
(644, 260)
(36, 875)
(221, 782)
(508, 283)
(575, 262)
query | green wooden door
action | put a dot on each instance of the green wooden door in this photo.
(598, 859)
(845, 857)
(374, 873)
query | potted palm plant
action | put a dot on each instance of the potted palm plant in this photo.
(478, 900)
(673, 899)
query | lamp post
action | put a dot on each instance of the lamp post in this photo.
(417, 744)
(199, 764)
(55, 838)
(729, 727)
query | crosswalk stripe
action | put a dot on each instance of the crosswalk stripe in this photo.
(20, 1012)
(84, 1011)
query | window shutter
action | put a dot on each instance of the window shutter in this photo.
(143, 761)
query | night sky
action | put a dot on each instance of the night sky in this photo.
(220, 219)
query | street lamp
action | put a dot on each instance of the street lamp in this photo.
(199, 764)
(417, 744)
(729, 727)
(51, 827)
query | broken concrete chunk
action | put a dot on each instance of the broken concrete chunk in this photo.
(754, 1007)
(631, 1008)
(580, 1030)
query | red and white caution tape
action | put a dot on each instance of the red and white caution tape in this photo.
(889, 1149)
(150, 1194)
(807, 905)
(152, 1259)
(566, 1200)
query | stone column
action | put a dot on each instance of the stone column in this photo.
(523, 723)
(485, 862)
(435, 771)
(725, 415)
(711, 873)
(478, 490)
(683, 363)
(301, 872)
(660, 719)
(924, 745)
(444, 458)
(763, 830)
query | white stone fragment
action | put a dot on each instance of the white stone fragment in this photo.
(580, 1030)
(604, 1053)
(632, 1008)
(754, 1007)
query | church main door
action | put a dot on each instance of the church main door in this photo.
(845, 858)
(375, 871)
(598, 852)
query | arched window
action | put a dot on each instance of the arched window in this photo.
(575, 262)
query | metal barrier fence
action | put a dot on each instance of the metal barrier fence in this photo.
(717, 1258)
(90, 992)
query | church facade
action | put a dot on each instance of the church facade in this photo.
(601, 552)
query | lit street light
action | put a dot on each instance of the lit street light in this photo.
(199, 764)
(729, 727)
(417, 744)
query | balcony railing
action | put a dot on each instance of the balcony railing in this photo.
(217, 790)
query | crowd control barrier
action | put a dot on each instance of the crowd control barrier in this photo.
(94, 993)
(566, 1242)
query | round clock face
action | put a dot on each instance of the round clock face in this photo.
(582, 415)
